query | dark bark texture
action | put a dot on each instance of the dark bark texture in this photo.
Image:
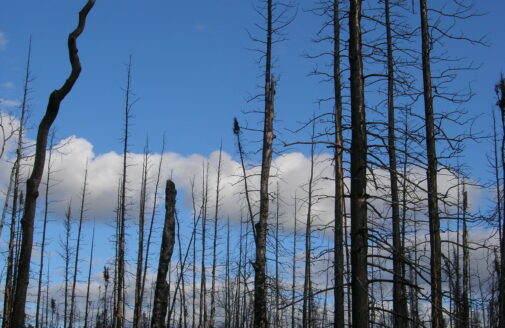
(167, 247)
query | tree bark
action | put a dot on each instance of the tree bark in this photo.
(167, 248)
(137, 312)
(433, 212)
(214, 247)
(500, 91)
(359, 230)
(76, 263)
(43, 243)
(399, 301)
(86, 310)
(32, 184)
(339, 207)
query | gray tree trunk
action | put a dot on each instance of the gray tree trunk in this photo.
(359, 230)
(161, 293)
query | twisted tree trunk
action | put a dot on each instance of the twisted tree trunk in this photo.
(32, 184)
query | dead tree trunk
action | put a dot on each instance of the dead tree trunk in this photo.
(66, 257)
(399, 300)
(359, 230)
(167, 248)
(307, 311)
(86, 311)
(43, 243)
(119, 314)
(433, 213)
(500, 91)
(10, 276)
(214, 247)
(260, 286)
(76, 263)
(32, 185)
(339, 176)
(137, 312)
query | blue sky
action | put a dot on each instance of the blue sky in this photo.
(192, 70)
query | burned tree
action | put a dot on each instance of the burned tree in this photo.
(32, 185)
(167, 247)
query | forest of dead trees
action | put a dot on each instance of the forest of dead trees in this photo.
(382, 233)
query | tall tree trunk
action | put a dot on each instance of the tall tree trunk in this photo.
(203, 283)
(86, 310)
(307, 285)
(433, 212)
(277, 278)
(465, 303)
(293, 273)
(10, 276)
(137, 312)
(43, 243)
(500, 91)
(153, 213)
(359, 230)
(214, 247)
(167, 248)
(260, 286)
(67, 254)
(339, 207)
(399, 301)
(119, 314)
(76, 262)
(32, 184)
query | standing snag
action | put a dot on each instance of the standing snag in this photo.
(32, 184)
(161, 293)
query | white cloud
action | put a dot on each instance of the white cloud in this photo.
(7, 103)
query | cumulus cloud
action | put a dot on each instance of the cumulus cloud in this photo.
(290, 173)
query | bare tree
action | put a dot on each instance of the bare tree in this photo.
(500, 92)
(214, 246)
(32, 185)
(167, 247)
(43, 243)
(433, 212)
(78, 246)
(10, 281)
(137, 313)
(359, 230)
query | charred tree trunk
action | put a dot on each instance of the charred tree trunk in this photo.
(433, 212)
(399, 300)
(137, 312)
(15, 179)
(307, 311)
(260, 286)
(167, 248)
(32, 185)
(214, 247)
(500, 91)
(86, 310)
(76, 263)
(43, 243)
(339, 208)
(119, 314)
(359, 230)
